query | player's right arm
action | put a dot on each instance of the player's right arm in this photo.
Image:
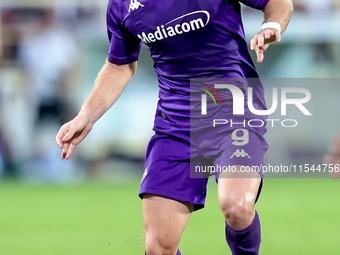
(109, 85)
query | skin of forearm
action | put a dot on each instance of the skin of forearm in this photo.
(109, 85)
(279, 11)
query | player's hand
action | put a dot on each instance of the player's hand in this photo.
(71, 134)
(261, 41)
(333, 154)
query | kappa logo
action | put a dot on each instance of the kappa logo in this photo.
(240, 153)
(134, 5)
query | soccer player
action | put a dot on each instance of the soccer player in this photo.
(187, 40)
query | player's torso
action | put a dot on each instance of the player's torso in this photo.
(188, 37)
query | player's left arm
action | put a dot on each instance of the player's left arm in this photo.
(279, 12)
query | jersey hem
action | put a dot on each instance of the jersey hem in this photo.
(165, 193)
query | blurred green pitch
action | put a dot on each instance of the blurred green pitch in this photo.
(298, 216)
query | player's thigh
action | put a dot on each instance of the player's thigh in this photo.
(238, 186)
(164, 220)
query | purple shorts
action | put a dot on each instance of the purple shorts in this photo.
(190, 145)
(178, 166)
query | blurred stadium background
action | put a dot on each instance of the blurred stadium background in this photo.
(50, 53)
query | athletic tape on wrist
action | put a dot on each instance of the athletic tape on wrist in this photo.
(271, 25)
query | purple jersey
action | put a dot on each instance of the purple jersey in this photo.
(187, 39)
